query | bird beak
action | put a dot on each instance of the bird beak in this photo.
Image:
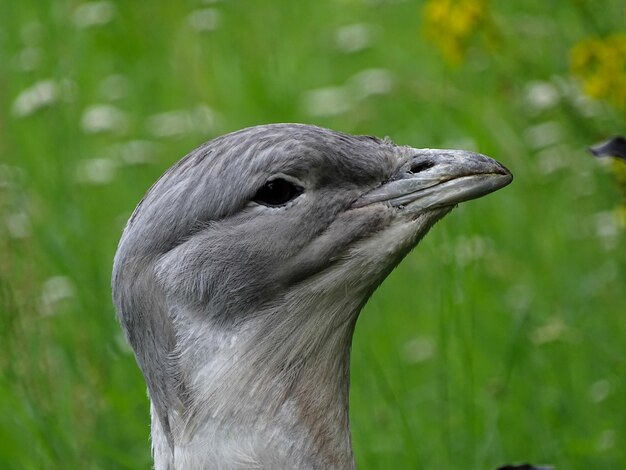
(434, 178)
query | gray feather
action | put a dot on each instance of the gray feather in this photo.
(241, 315)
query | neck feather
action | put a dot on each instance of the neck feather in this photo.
(270, 394)
(272, 391)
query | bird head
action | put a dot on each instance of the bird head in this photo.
(267, 242)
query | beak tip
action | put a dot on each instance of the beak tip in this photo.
(507, 173)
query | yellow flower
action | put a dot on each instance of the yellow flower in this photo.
(451, 24)
(600, 64)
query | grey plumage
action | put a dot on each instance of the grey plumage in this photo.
(241, 314)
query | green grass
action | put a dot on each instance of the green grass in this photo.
(501, 338)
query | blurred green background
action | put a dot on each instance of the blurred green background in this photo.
(501, 338)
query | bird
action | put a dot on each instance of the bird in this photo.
(614, 147)
(240, 275)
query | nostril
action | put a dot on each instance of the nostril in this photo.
(418, 167)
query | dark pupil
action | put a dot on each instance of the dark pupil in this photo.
(276, 193)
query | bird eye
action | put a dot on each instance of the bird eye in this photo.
(277, 192)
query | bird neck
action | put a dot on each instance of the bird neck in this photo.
(266, 396)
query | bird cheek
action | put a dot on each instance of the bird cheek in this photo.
(335, 242)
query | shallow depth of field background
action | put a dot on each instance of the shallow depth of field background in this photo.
(501, 338)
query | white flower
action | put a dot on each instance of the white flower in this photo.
(354, 37)
(53, 291)
(104, 118)
(94, 14)
(540, 96)
(134, 152)
(328, 101)
(553, 330)
(600, 390)
(206, 19)
(372, 82)
(200, 119)
(42, 94)
(96, 171)
(607, 229)
(18, 225)
(419, 349)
